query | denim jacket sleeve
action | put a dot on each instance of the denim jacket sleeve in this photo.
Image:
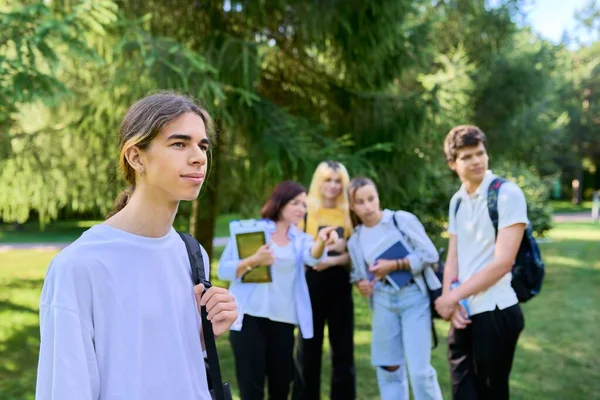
(228, 264)
(307, 244)
(423, 249)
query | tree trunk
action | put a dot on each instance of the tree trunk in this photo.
(204, 209)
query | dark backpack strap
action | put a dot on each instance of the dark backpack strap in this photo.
(492, 202)
(194, 251)
(395, 222)
(305, 221)
(404, 235)
(457, 206)
(433, 331)
(196, 259)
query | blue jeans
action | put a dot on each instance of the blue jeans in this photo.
(402, 338)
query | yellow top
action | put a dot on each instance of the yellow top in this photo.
(326, 217)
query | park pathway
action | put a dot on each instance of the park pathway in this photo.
(222, 241)
(573, 217)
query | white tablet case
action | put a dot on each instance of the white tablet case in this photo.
(247, 226)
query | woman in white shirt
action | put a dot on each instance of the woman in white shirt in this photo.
(263, 336)
(119, 313)
(401, 311)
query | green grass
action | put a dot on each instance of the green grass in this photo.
(222, 225)
(565, 206)
(55, 232)
(557, 356)
(67, 231)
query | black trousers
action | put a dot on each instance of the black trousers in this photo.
(263, 349)
(331, 299)
(481, 355)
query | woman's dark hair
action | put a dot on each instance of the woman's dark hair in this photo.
(355, 184)
(462, 136)
(143, 122)
(281, 195)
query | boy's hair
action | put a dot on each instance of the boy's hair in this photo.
(462, 136)
(281, 195)
(143, 122)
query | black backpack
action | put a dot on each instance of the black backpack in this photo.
(528, 270)
(218, 389)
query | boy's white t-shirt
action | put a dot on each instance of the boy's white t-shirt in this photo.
(476, 238)
(119, 321)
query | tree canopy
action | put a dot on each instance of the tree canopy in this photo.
(375, 85)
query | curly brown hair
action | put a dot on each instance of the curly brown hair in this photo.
(462, 136)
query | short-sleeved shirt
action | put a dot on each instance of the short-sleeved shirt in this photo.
(476, 238)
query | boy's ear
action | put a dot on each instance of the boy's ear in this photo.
(452, 165)
(134, 158)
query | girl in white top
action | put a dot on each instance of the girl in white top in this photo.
(119, 313)
(263, 337)
(401, 325)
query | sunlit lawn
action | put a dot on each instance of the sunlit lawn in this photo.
(67, 231)
(565, 206)
(557, 356)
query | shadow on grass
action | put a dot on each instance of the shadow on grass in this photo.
(562, 243)
(578, 379)
(24, 284)
(18, 363)
(7, 305)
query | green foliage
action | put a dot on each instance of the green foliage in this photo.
(290, 83)
(34, 44)
(514, 97)
(536, 190)
(34, 38)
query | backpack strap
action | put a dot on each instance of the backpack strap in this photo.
(492, 202)
(196, 259)
(457, 206)
(404, 235)
(194, 250)
(433, 331)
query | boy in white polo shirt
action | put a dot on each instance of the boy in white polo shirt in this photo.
(482, 340)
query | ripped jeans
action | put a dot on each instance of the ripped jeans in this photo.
(402, 339)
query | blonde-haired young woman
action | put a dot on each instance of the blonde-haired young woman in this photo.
(330, 289)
